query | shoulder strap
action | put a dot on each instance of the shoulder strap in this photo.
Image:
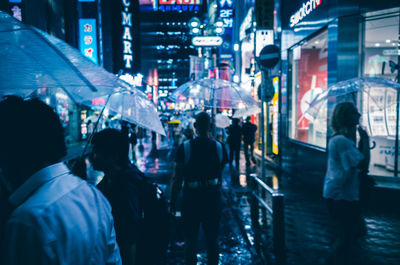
(219, 151)
(186, 152)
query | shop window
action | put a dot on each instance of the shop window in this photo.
(309, 65)
(380, 54)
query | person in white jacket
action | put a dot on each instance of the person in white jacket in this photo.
(341, 185)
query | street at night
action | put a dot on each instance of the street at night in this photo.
(191, 132)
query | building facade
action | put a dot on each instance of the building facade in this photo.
(324, 42)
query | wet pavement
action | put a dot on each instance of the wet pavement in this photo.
(234, 246)
(308, 229)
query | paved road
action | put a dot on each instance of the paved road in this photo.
(307, 225)
(234, 247)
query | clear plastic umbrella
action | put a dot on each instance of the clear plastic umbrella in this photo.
(222, 121)
(247, 111)
(214, 93)
(365, 85)
(134, 106)
(32, 59)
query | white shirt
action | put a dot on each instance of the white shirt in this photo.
(59, 219)
(341, 180)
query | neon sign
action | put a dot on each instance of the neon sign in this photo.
(127, 54)
(304, 11)
(88, 38)
(179, 2)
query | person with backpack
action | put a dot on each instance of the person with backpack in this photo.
(139, 208)
(199, 164)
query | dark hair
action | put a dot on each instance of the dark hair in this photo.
(235, 121)
(342, 117)
(112, 142)
(203, 122)
(31, 131)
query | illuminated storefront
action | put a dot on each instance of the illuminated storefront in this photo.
(320, 48)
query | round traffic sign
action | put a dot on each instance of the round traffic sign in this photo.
(269, 56)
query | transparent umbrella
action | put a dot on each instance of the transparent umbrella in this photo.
(214, 93)
(365, 85)
(134, 106)
(222, 121)
(32, 60)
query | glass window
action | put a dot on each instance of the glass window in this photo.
(309, 65)
(380, 55)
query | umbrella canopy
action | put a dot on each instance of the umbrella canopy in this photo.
(251, 110)
(134, 106)
(214, 93)
(32, 59)
(222, 121)
(366, 85)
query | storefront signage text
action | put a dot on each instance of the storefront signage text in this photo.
(207, 41)
(88, 38)
(304, 11)
(126, 34)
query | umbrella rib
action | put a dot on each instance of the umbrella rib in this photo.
(73, 67)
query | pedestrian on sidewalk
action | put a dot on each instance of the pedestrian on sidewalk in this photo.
(199, 164)
(249, 137)
(341, 185)
(127, 190)
(234, 142)
(56, 217)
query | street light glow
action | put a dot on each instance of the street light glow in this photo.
(194, 24)
(218, 30)
(219, 23)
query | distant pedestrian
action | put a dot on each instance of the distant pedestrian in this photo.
(199, 164)
(125, 187)
(56, 217)
(249, 137)
(234, 142)
(341, 185)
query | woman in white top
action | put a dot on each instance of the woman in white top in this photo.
(341, 185)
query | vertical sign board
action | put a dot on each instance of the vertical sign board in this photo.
(275, 115)
(88, 38)
(226, 14)
(125, 37)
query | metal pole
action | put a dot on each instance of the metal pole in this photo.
(278, 227)
(262, 126)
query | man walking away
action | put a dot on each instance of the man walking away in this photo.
(249, 136)
(234, 141)
(129, 194)
(56, 217)
(199, 164)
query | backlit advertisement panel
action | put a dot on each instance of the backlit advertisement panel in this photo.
(88, 38)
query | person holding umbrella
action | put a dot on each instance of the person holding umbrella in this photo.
(341, 185)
